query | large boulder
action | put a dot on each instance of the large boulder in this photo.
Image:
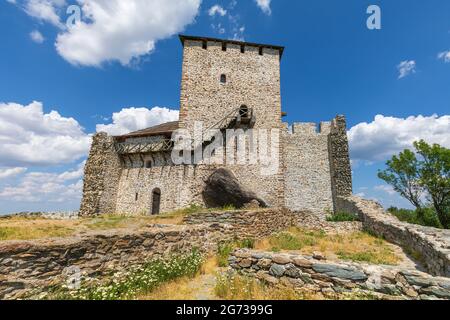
(223, 189)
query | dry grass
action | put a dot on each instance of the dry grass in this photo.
(35, 228)
(30, 228)
(356, 246)
(24, 228)
(244, 288)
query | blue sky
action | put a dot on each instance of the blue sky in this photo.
(332, 64)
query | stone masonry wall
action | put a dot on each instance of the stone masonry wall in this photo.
(248, 224)
(331, 278)
(101, 177)
(433, 245)
(27, 266)
(182, 186)
(341, 171)
(307, 176)
(252, 80)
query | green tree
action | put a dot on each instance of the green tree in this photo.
(429, 174)
(403, 175)
(435, 177)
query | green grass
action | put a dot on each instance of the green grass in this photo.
(294, 239)
(342, 217)
(224, 249)
(424, 217)
(136, 281)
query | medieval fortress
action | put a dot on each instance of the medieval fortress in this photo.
(225, 85)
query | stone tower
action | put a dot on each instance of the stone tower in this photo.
(219, 76)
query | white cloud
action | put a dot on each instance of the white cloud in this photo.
(117, 30)
(386, 189)
(30, 137)
(46, 187)
(444, 56)
(264, 5)
(405, 68)
(45, 10)
(36, 36)
(216, 9)
(11, 172)
(386, 136)
(132, 119)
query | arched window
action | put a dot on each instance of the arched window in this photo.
(243, 111)
(223, 78)
(148, 164)
(156, 201)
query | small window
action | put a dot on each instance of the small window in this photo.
(148, 164)
(136, 197)
(223, 79)
(204, 45)
(244, 111)
(224, 46)
(242, 49)
(260, 51)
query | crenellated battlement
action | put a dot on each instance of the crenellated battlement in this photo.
(310, 128)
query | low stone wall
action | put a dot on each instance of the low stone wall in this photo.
(248, 224)
(331, 278)
(311, 221)
(433, 245)
(29, 265)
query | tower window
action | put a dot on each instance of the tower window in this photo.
(204, 45)
(244, 111)
(136, 197)
(260, 51)
(224, 46)
(242, 49)
(223, 79)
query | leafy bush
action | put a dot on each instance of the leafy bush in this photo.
(424, 217)
(342, 217)
(138, 280)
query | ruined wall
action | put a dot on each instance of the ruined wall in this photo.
(431, 244)
(101, 177)
(28, 266)
(331, 278)
(248, 224)
(341, 171)
(307, 169)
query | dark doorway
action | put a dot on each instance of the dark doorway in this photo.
(156, 201)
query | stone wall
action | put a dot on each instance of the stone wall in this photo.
(331, 278)
(26, 266)
(101, 177)
(182, 186)
(248, 224)
(433, 245)
(307, 176)
(341, 171)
